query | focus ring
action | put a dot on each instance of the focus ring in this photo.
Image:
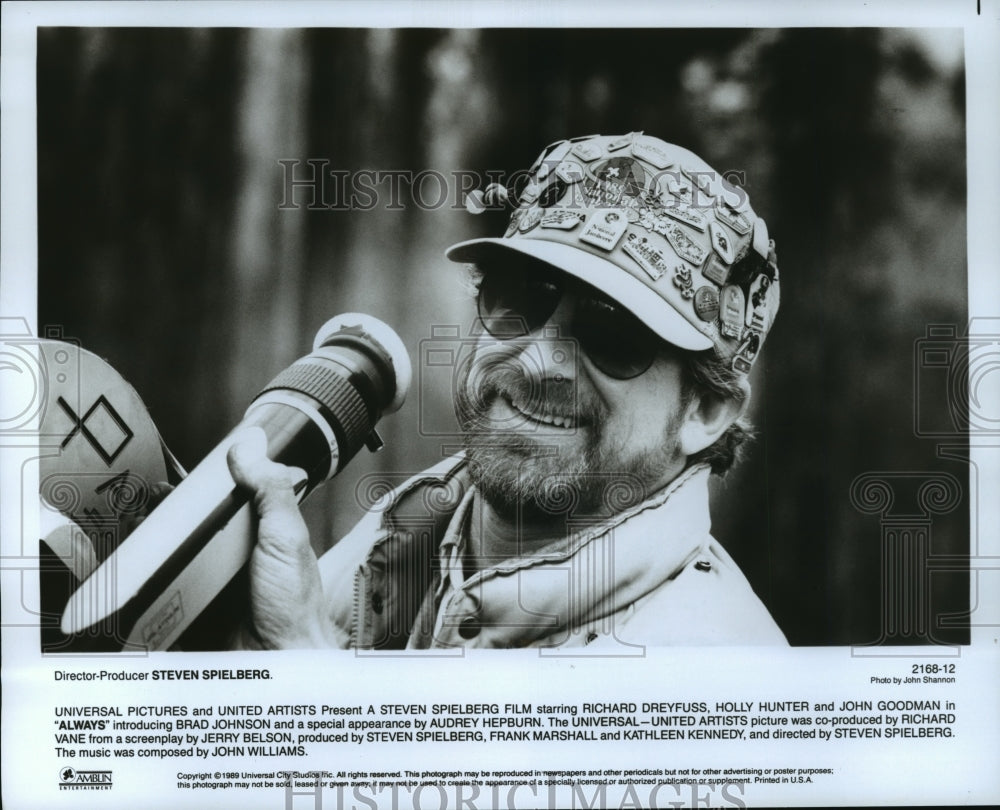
(336, 396)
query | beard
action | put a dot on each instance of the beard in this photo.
(528, 474)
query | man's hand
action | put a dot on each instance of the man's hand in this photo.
(286, 593)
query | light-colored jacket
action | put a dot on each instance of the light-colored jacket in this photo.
(650, 575)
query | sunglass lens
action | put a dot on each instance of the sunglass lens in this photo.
(512, 304)
(617, 342)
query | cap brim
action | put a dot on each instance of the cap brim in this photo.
(643, 302)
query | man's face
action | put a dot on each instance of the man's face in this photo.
(547, 432)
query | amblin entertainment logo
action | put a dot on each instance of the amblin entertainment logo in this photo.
(72, 779)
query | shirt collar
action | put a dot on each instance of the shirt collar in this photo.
(603, 567)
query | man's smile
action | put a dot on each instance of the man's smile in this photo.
(527, 409)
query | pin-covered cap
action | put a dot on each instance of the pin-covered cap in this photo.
(656, 228)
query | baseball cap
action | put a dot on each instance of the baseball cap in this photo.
(654, 227)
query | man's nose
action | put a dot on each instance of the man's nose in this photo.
(550, 352)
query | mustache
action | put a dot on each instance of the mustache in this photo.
(486, 379)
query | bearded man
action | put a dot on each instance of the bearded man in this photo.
(619, 316)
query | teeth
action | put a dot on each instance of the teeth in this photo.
(546, 419)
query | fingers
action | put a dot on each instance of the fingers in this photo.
(274, 487)
(286, 592)
(251, 468)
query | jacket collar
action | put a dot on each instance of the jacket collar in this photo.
(582, 578)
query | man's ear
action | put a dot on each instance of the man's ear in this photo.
(706, 418)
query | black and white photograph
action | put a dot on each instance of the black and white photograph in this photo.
(518, 408)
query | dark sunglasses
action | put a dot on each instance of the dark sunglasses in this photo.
(516, 301)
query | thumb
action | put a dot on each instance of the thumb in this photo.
(275, 489)
(286, 592)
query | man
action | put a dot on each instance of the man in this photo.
(621, 312)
